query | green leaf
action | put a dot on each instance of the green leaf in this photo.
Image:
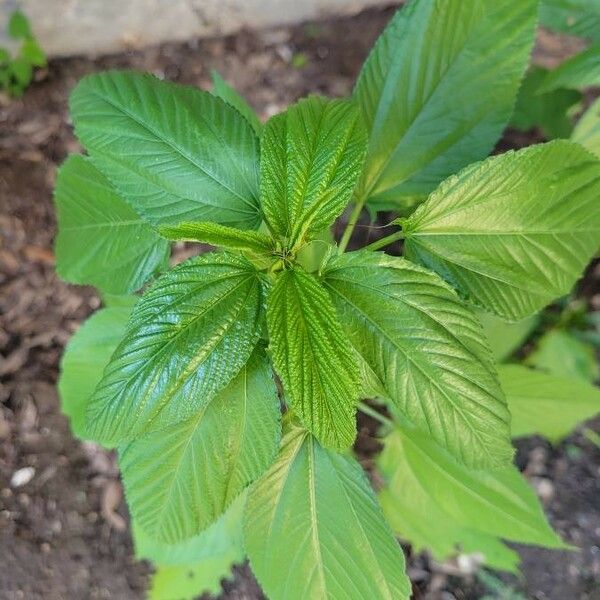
(18, 26)
(427, 350)
(313, 529)
(311, 156)
(498, 503)
(189, 335)
(175, 153)
(219, 235)
(587, 130)
(416, 517)
(438, 89)
(311, 355)
(180, 479)
(22, 71)
(101, 241)
(574, 17)
(84, 359)
(580, 71)
(549, 112)
(224, 91)
(31, 51)
(545, 404)
(505, 337)
(515, 231)
(560, 353)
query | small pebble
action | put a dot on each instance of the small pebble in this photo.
(22, 476)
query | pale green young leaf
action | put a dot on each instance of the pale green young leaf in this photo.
(438, 89)
(101, 241)
(427, 349)
(573, 17)
(180, 479)
(84, 359)
(311, 156)
(561, 353)
(498, 502)
(580, 71)
(189, 335)
(219, 235)
(505, 337)
(175, 153)
(313, 529)
(549, 112)
(587, 130)
(313, 358)
(515, 231)
(417, 518)
(545, 404)
(224, 91)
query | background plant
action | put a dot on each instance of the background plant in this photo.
(181, 380)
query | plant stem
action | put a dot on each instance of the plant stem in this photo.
(365, 408)
(354, 215)
(386, 241)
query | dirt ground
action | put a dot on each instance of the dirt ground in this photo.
(63, 530)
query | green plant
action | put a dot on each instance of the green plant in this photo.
(16, 72)
(183, 377)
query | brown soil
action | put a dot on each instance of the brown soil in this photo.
(63, 533)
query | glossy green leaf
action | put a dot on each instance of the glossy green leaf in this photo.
(219, 235)
(515, 231)
(427, 349)
(313, 529)
(84, 359)
(580, 71)
(313, 358)
(180, 479)
(561, 353)
(189, 335)
(224, 91)
(587, 130)
(438, 89)
(547, 111)
(101, 241)
(505, 337)
(311, 156)
(574, 17)
(545, 404)
(417, 518)
(498, 503)
(175, 153)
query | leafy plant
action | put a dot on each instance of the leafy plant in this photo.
(190, 388)
(16, 72)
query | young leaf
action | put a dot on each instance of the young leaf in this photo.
(224, 91)
(311, 156)
(514, 232)
(438, 89)
(583, 70)
(219, 235)
(505, 337)
(573, 17)
(180, 479)
(189, 335)
(85, 357)
(18, 26)
(175, 153)
(313, 529)
(313, 359)
(547, 111)
(427, 350)
(31, 51)
(587, 130)
(546, 404)
(560, 353)
(101, 241)
(444, 507)
(417, 518)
